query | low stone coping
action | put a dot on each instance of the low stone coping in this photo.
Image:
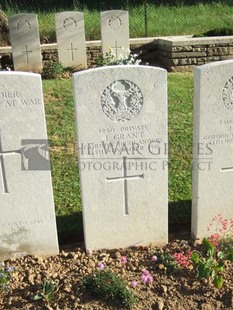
(96, 43)
(189, 40)
(162, 41)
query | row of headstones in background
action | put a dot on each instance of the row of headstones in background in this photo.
(122, 157)
(25, 41)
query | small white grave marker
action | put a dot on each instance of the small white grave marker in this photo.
(25, 42)
(213, 145)
(71, 39)
(115, 32)
(123, 155)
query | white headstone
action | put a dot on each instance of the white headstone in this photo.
(71, 39)
(122, 146)
(25, 42)
(213, 145)
(115, 32)
(27, 222)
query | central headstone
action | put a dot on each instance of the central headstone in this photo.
(25, 42)
(115, 32)
(213, 146)
(27, 222)
(122, 146)
(71, 39)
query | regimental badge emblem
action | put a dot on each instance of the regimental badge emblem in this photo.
(114, 22)
(121, 101)
(70, 24)
(23, 25)
(227, 94)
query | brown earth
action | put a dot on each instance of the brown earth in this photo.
(178, 290)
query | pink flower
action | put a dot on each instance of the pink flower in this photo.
(150, 279)
(154, 258)
(146, 272)
(123, 259)
(214, 239)
(182, 260)
(219, 224)
(100, 266)
(146, 277)
(134, 283)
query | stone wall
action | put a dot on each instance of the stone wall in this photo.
(171, 53)
(49, 52)
(182, 54)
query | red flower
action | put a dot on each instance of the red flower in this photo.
(182, 260)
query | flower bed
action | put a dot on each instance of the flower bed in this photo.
(181, 275)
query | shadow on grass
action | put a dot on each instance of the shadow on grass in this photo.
(179, 212)
(70, 227)
(179, 219)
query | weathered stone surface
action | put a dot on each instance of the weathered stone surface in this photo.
(71, 39)
(123, 155)
(25, 42)
(226, 57)
(213, 146)
(115, 32)
(182, 41)
(181, 69)
(219, 51)
(27, 223)
(188, 54)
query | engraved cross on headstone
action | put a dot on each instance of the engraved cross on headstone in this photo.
(227, 169)
(72, 50)
(26, 52)
(125, 179)
(116, 48)
(2, 165)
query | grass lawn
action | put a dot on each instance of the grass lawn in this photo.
(59, 106)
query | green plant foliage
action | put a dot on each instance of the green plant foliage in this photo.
(211, 265)
(52, 70)
(105, 284)
(49, 288)
(166, 262)
(5, 276)
(105, 59)
(183, 17)
(209, 268)
(210, 261)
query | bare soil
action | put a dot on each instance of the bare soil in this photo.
(178, 290)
